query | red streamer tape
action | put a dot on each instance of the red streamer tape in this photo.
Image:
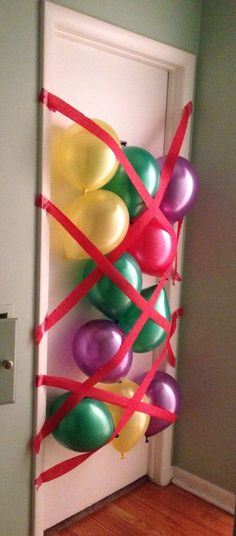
(68, 465)
(105, 266)
(101, 394)
(54, 103)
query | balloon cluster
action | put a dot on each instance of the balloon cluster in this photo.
(106, 205)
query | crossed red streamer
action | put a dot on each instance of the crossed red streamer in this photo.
(101, 394)
(131, 406)
(74, 399)
(104, 264)
(54, 103)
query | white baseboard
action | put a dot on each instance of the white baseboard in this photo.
(205, 490)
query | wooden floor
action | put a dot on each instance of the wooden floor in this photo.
(154, 511)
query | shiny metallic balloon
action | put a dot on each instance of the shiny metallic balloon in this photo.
(87, 426)
(102, 216)
(154, 249)
(106, 296)
(165, 392)
(182, 191)
(95, 343)
(147, 169)
(136, 426)
(86, 162)
(151, 335)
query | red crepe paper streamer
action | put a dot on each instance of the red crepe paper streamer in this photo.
(55, 103)
(105, 396)
(131, 404)
(74, 399)
(105, 265)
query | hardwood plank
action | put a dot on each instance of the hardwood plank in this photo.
(163, 519)
(120, 522)
(85, 527)
(188, 505)
(159, 515)
(123, 522)
(154, 511)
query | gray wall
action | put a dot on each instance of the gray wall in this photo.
(174, 22)
(205, 436)
(18, 89)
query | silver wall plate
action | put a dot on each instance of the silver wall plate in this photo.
(7, 359)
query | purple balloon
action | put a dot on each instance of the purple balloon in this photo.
(163, 391)
(182, 190)
(95, 343)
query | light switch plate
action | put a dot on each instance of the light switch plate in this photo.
(7, 354)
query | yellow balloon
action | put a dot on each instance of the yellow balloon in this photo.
(86, 162)
(103, 217)
(136, 426)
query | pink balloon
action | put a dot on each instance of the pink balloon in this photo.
(182, 190)
(153, 250)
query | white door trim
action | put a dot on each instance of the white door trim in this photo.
(181, 67)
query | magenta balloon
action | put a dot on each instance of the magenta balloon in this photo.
(154, 249)
(182, 191)
(165, 392)
(95, 343)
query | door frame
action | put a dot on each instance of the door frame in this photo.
(180, 66)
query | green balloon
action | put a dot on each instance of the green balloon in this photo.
(106, 296)
(147, 169)
(152, 334)
(87, 426)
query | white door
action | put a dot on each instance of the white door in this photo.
(139, 87)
